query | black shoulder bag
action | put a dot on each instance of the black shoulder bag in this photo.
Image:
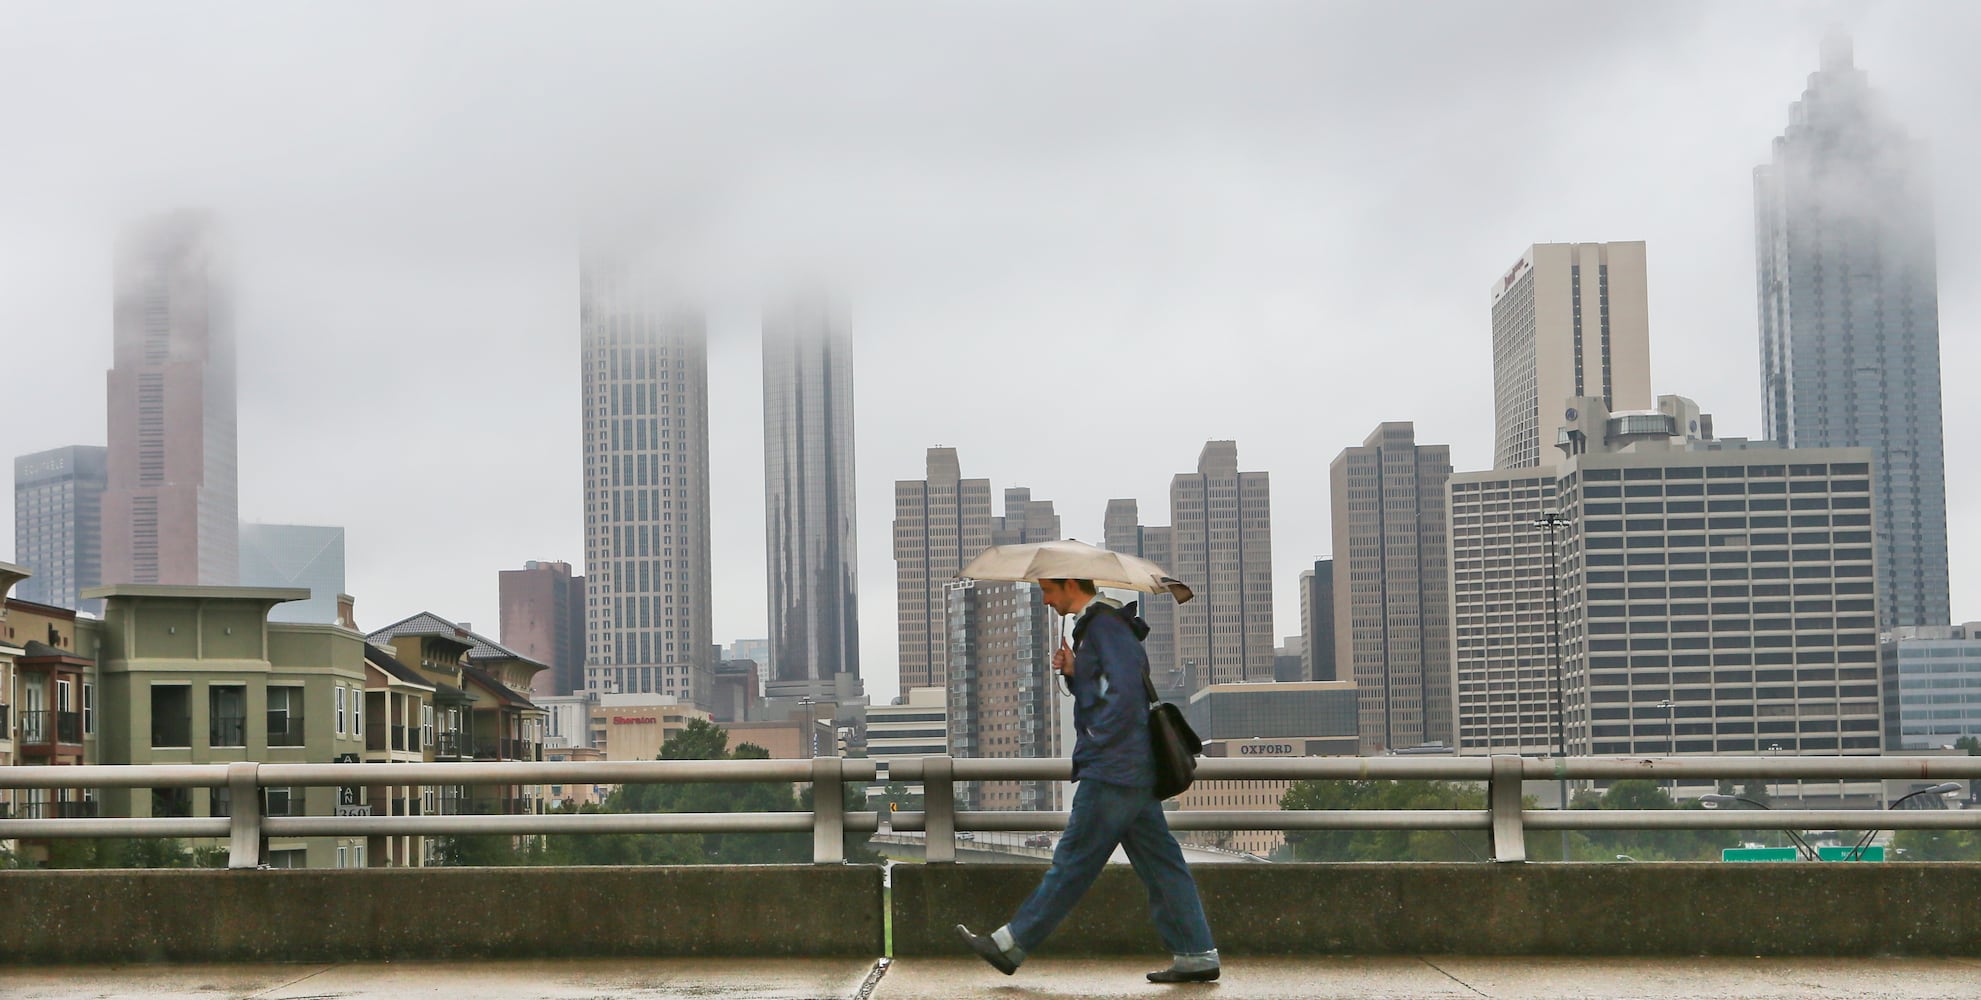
(1172, 741)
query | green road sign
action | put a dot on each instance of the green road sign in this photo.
(1759, 854)
(1792, 854)
(1844, 854)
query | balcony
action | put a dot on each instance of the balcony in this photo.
(58, 810)
(399, 738)
(454, 744)
(6, 729)
(227, 731)
(502, 807)
(46, 727)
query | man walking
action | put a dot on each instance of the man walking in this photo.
(1114, 804)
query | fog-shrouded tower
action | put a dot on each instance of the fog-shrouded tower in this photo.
(170, 509)
(1849, 316)
(647, 590)
(809, 510)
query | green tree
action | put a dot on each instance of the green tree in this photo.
(1937, 845)
(1970, 744)
(1386, 845)
(1648, 845)
(896, 794)
(702, 740)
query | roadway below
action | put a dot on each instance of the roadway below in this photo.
(1385, 978)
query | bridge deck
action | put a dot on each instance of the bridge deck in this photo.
(819, 979)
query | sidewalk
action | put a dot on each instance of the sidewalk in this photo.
(1432, 978)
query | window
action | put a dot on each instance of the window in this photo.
(357, 712)
(426, 725)
(285, 716)
(342, 852)
(280, 801)
(171, 802)
(172, 715)
(89, 709)
(340, 709)
(227, 715)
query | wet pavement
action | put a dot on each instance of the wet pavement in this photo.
(1430, 978)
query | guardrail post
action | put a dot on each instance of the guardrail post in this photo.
(246, 847)
(1504, 798)
(828, 812)
(939, 810)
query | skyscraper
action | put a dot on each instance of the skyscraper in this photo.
(1392, 603)
(295, 555)
(809, 510)
(940, 523)
(543, 618)
(1849, 317)
(1716, 601)
(1503, 601)
(58, 524)
(1124, 532)
(1569, 319)
(1317, 622)
(1001, 695)
(647, 590)
(1221, 522)
(169, 509)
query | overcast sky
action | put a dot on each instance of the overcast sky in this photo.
(1277, 223)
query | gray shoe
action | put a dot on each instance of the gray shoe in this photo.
(988, 950)
(1178, 976)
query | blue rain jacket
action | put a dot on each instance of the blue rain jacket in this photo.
(1110, 703)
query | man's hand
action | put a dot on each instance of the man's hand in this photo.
(1062, 660)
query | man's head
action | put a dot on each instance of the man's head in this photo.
(1066, 596)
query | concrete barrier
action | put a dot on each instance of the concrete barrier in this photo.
(1485, 909)
(438, 913)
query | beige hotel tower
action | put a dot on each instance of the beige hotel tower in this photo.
(1569, 319)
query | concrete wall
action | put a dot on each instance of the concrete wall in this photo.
(1484, 909)
(1368, 909)
(435, 913)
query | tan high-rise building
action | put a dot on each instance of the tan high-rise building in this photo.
(940, 523)
(170, 507)
(647, 588)
(1123, 532)
(1392, 596)
(1569, 319)
(1223, 547)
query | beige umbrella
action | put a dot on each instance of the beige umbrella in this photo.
(1067, 559)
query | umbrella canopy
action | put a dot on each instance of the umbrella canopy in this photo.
(1067, 559)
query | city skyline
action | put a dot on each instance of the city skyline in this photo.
(491, 319)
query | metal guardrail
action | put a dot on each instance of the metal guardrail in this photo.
(1505, 817)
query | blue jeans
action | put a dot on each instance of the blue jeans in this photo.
(1103, 816)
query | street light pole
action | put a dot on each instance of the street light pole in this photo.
(1671, 738)
(1552, 521)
